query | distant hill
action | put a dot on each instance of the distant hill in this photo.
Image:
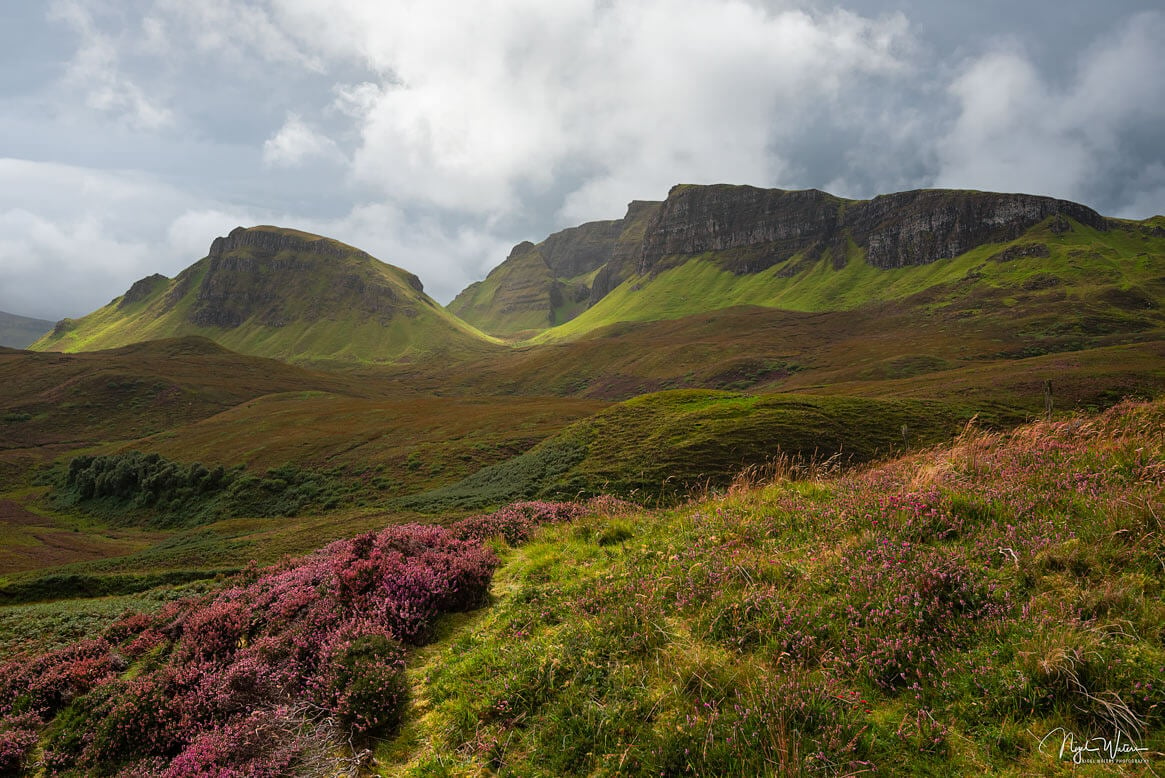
(285, 294)
(550, 283)
(21, 331)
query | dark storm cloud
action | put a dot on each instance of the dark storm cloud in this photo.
(436, 134)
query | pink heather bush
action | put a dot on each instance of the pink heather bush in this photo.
(18, 737)
(264, 678)
(517, 522)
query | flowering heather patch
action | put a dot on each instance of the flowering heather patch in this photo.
(272, 675)
(516, 522)
(937, 614)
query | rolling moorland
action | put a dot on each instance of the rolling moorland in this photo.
(747, 482)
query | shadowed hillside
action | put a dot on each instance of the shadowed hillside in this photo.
(21, 331)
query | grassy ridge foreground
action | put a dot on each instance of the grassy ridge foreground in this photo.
(966, 610)
(975, 608)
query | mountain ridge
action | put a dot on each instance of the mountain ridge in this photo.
(750, 230)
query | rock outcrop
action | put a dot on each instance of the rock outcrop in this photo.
(143, 289)
(747, 230)
(275, 277)
(700, 219)
(919, 227)
(908, 228)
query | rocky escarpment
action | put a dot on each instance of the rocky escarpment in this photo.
(627, 249)
(699, 219)
(908, 228)
(269, 241)
(275, 277)
(915, 228)
(579, 250)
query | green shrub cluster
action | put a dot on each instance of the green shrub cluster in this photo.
(138, 488)
(524, 477)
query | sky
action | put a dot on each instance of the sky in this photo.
(436, 134)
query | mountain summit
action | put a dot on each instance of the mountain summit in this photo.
(280, 293)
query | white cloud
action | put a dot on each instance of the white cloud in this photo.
(296, 142)
(72, 239)
(478, 105)
(1019, 131)
(436, 133)
(95, 73)
(237, 30)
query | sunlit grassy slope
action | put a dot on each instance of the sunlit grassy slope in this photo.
(1124, 263)
(341, 306)
(959, 611)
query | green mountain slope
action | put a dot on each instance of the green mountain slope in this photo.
(283, 294)
(1114, 264)
(540, 286)
(21, 331)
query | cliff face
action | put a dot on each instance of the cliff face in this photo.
(143, 289)
(579, 250)
(915, 228)
(627, 250)
(274, 277)
(908, 228)
(266, 243)
(698, 219)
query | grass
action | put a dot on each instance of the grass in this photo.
(1083, 259)
(342, 309)
(76, 400)
(664, 445)
(939, 614)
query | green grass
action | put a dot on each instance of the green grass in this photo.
(664, 445)
(513, 298)
(319, 312)
(1082, 259)
(934, 615)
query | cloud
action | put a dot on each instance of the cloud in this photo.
(1019, 130)
(73, 238)
(478, 108)
(237, 30)
(95, 73)
(296, 142)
